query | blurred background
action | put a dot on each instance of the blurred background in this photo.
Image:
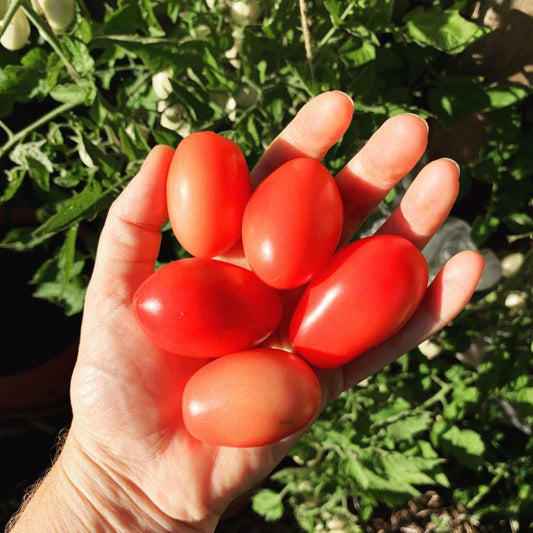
(438, 441)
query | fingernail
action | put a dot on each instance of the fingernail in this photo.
(454, 162)
(420, 118)
(346, 95)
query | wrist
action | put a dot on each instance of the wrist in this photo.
(79, 494)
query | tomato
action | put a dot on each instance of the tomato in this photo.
(207, 190)
(292, 223)
(59, 13)
(17, 32)
(365, 293)
(250, 398)
(161, 84)
(206, 308)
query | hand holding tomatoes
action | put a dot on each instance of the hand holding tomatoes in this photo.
(207, 308)
(127, 393)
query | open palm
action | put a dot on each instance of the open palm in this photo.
(126, 392)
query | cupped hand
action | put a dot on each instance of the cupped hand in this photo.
(126, 392)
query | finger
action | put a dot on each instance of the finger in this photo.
(426, 203)
(388, 155)
(319, 124)
(130, 240)
(444, 300)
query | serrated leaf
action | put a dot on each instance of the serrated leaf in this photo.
(74, 94)
(71, 297)
(79, 55)
(446, 30)
(413, 470)
(268, 504)
(465, 444)
(358, 472)
(31, 158)
(409, 427)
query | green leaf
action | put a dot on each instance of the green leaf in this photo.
(522, 399)
(268, 504)
(357, 52)
(14, 178)
(409, 427)
(71, 93)
(30, 157)
(447, 30)
(413, 470)
(71, 297)
(19, 83)
(78, 54)
(77, 207)
(465, 444)
(504, 95)
(358, 472)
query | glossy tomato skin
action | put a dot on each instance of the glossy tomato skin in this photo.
(207, 189)
(365, 294)
(250, 398)
(292, 223)
(206, 308)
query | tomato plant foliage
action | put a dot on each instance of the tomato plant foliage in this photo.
(78, 115)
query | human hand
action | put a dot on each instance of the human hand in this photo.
(128, 459)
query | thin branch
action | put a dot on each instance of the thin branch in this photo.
(51, 39)
(307, 35)
(38, 123)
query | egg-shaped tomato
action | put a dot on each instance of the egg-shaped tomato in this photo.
(250, 398)
(292, 223)
(206, 308)
(366, 292)
(207, 189)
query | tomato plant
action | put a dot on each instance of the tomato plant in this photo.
(364, 294)
(292, 223)
(207, 190)
(206, 308)
(251, 398)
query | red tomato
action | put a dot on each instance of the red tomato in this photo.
(364, 294)
(292, 223)
(250, 398)
(206, 308)
(207, 190)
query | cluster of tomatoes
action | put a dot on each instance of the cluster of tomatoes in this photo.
(292, 292)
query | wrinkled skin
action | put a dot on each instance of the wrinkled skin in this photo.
(126, 392)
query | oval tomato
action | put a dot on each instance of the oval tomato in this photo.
(206, 308)
(207, 189)
(292, 223)
(250, 398)
(364, 294)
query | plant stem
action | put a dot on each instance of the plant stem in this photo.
(134, 39)
(38, 123)
(9, 15)
(9, 133)
(307, 36)
(437, 397)
(51, 39)
(332, 30)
